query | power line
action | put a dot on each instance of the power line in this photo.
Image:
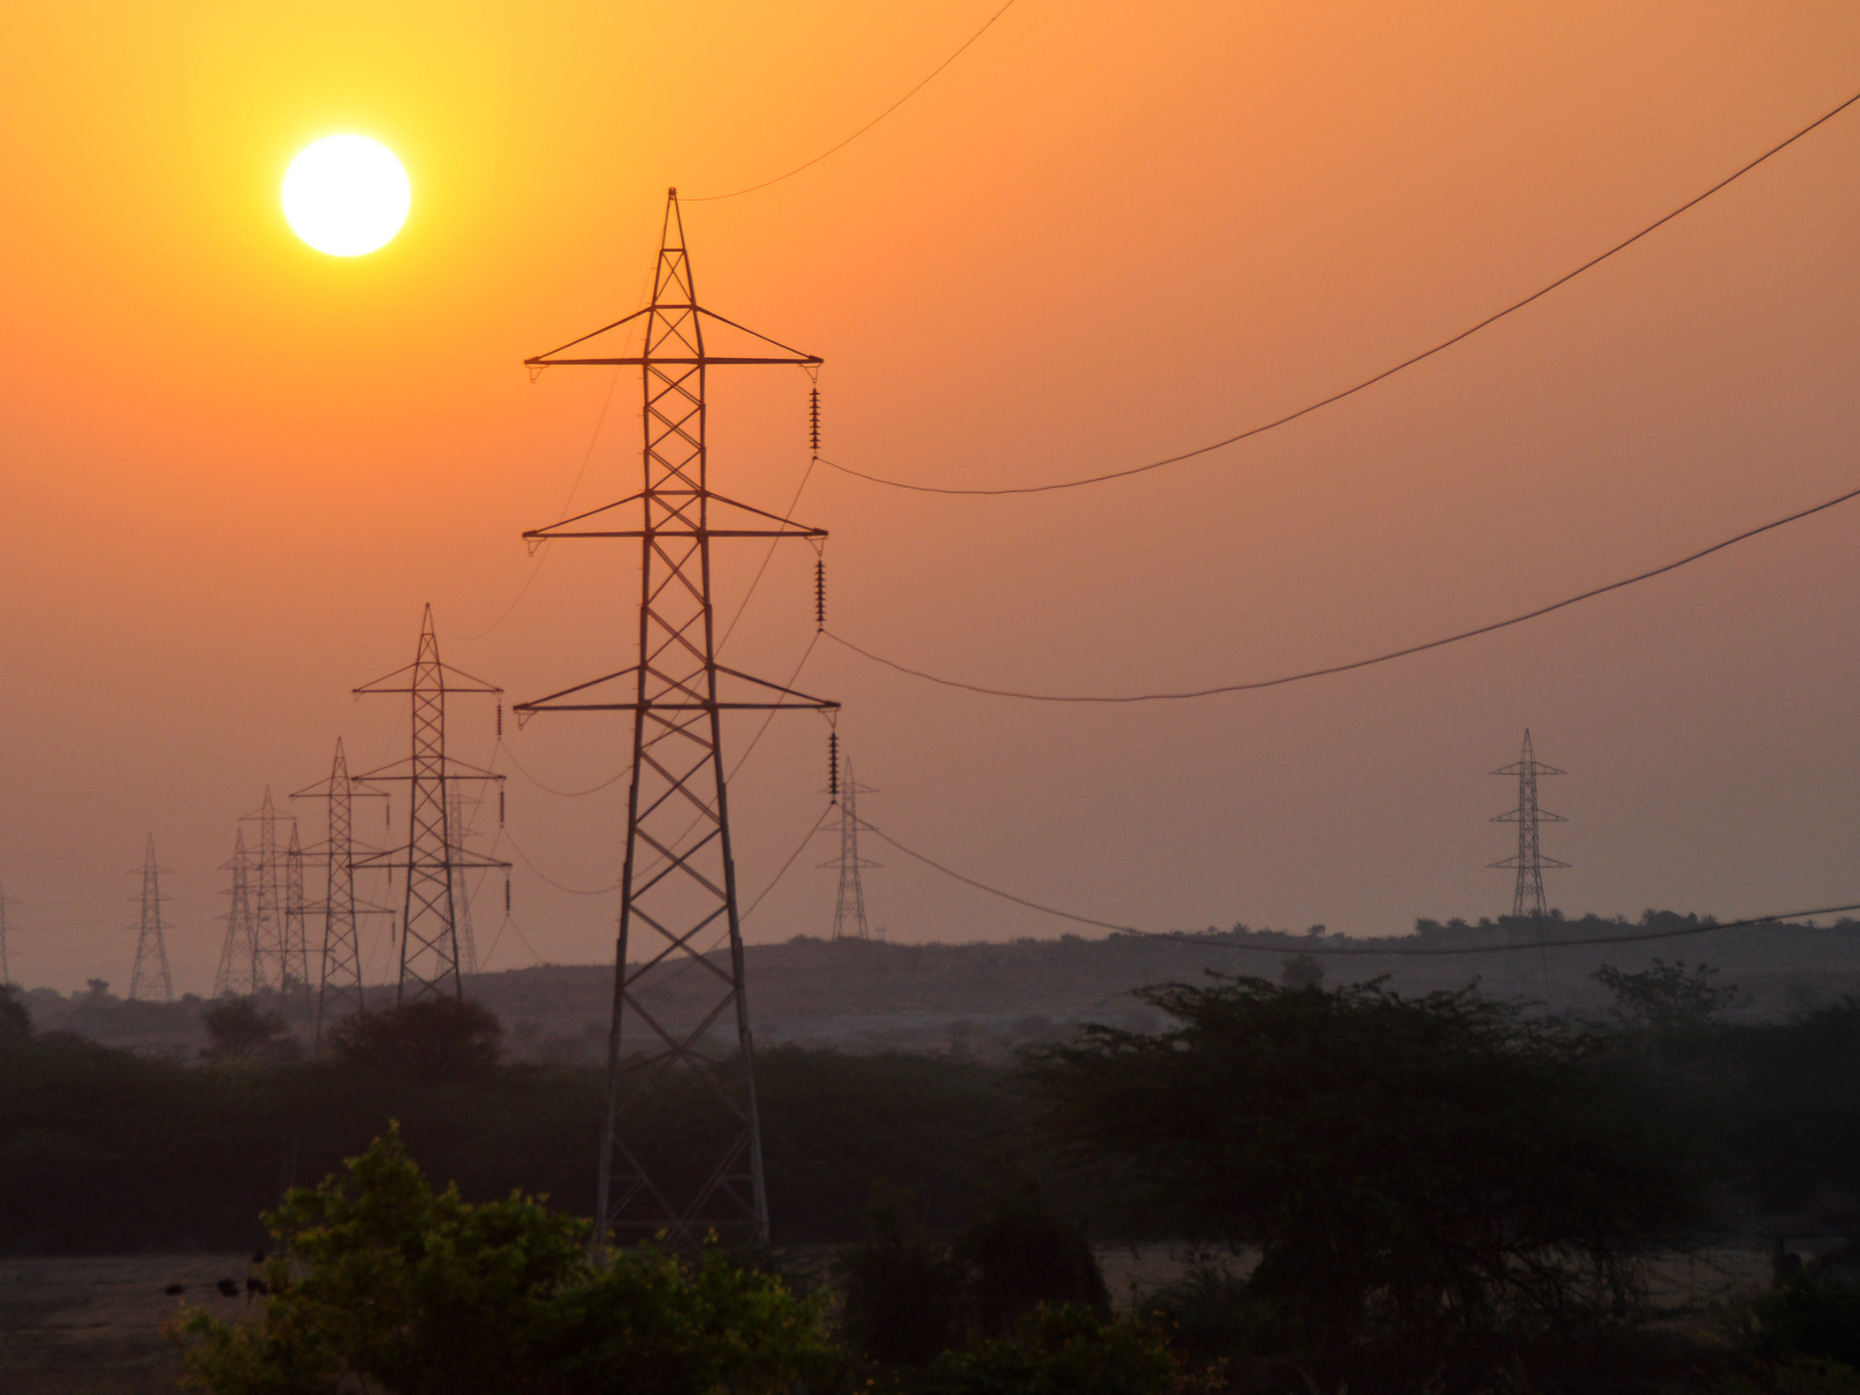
(1371, 381)
(834, 150)
(1355, 663)
(1211, 942)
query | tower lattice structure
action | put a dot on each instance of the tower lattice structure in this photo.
(6, 924)
(679, 900)
(149, 978)
(339, 962)
(237, 974)
(281, 957)
(1529, 861)
(849, 918)
(432, 857)
(460, 823)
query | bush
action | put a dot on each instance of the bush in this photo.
(1804, 1317)
(1017, 1255)
(15, 1021)
(1055, 1351)
(382, 1283)
(431, 1040)
(900, 1285)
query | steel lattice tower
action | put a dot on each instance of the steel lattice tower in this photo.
(278, 962)
(339, 968)
(432, 857)
(849, 919)
(1529, 861)
(151, 967)
(238, 971)
(461, 890)
(678, 891)
(296, 936)
(6, 902)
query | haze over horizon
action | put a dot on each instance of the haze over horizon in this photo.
(237, 468)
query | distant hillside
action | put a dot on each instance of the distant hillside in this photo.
(986, 999)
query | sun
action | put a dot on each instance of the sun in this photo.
(346, 195)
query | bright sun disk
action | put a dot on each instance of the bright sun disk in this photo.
(346, 195)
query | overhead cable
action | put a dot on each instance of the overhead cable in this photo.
(1365, 951)
(1353, 664)
(1371, 381)
(834, 150)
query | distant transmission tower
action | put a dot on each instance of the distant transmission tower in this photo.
(281, 960)
(150, 975)
(1528, 899)
(339, 967)
(238, 971)
(432, 857)
(849, 920)
(678, 897)
(6, 902)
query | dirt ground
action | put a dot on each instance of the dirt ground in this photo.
(93, 1326)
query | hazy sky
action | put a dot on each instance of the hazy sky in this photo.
(234, 468)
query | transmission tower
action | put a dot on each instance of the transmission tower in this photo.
(849, 906)
(296, 937)
(678, 880)
(1530, 863)
(238, 972)
(432, 857)
(6, 902)
(150, 975)
(461, 891)
(282, 960)
(339, 968)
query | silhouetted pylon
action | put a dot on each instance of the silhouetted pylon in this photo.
(6, 903)
(432, 856)
(238, 971)
(149, 978)
(1529, 861)
(339, 962)
(281, 962)
(849, 919)
(678, 894)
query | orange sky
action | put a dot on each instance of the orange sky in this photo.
(234, 468)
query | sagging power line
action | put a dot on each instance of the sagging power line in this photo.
(1354, 664)
(1371, 381)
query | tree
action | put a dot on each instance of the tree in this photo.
(382, 1283)
(238, 1030)
(1405, 1166)
(433, 1040)
(15, 1020)
(1667, 996)
(1302, 971)
(1016, 1255)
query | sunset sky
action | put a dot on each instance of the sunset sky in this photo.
(235, 468)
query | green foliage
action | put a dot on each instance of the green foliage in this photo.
(1667, 996)
(431, 1040)
(1405, 1166)
(238, 1030)
(384, 1283)
(15, 1021)
(1055, 1351)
